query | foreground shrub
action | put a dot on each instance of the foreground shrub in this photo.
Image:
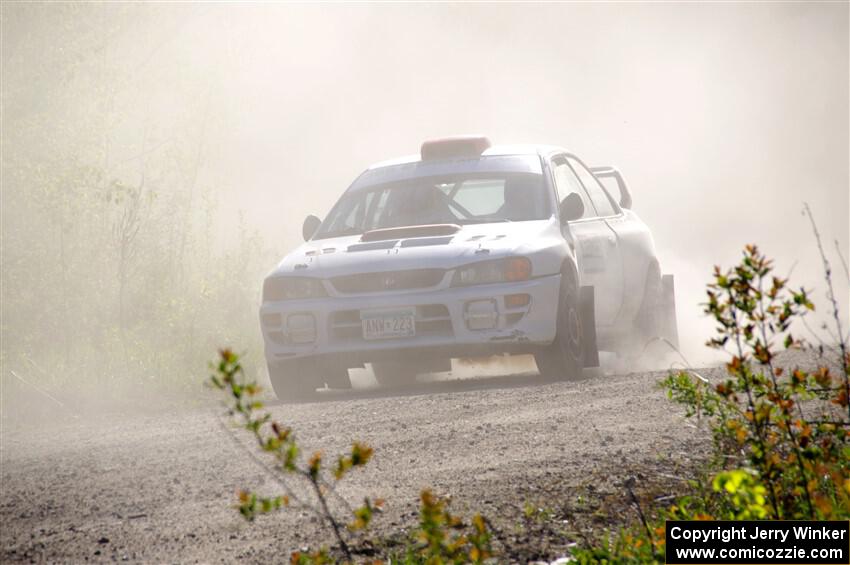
(441, 538)
(790, 426)
(444, 538)
(280, 443)
(781, 437)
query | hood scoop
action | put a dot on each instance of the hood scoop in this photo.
(429, 230)
(426, 241)
(386, 244)
(390, 243)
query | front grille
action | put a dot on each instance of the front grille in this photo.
(391, 280)
(431, 320)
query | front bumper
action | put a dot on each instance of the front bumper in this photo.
(442, 329)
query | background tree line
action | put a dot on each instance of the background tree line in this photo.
(119, 268)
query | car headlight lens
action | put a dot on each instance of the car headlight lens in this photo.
(512, 269)
(292, 288)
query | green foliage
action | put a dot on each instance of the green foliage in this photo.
(745, 495)
(109, 284)
(443, 538)
(319, 557)
(790, 426)
(782, 438)
(279, 442)
(532, 512)
(782, 447)
(625, 546)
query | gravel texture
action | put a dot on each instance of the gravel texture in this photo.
(160, 486)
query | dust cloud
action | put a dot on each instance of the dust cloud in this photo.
(158, 159)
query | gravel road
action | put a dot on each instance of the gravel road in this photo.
(160, 486)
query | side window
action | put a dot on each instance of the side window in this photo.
(566, 182)
(597, 194)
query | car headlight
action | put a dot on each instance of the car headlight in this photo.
(512, 269)
(292, 288)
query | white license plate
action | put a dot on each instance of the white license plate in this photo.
(388, 324)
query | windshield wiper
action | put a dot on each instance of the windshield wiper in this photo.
(484, 221)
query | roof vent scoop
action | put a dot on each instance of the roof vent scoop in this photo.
(454, 147)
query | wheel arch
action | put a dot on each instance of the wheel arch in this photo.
(653, 267)
(569, 269)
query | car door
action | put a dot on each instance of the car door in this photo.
(633, 239)
(599, 261)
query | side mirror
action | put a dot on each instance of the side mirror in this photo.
(311, 224)
(572, 208)
(606, 175)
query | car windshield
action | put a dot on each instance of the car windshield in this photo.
(454, 199)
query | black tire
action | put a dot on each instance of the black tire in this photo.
(394, 373)
(562, 360)
(295, 380)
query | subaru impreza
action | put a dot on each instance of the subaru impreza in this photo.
(465, 250)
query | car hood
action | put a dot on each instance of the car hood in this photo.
(325, 258)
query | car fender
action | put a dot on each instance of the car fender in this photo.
(637, 250)
(587, 314)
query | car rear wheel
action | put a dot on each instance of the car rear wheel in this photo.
(562, 360)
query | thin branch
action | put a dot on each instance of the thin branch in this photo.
(500, 536)
(41, 391)
(843, 261)
(759, 429)
(819, 339)
(145, 152)
(329, 516)
(331, 487)
(628, 484)
(827, 271)
(271, 472)
(762, 325)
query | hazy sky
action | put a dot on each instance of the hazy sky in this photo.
(724, 117)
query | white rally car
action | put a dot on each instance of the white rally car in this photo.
(465, 250)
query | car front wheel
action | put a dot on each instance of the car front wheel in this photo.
(298, 379)
(562, 359)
